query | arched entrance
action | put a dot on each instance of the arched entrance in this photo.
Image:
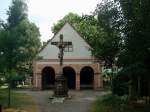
(48, 78)
(86, 78)
(69, 73)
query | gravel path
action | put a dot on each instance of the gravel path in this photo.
(81, 101)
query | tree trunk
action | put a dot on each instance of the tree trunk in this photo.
(9, 94)
(139, 86)
(9, 89)
(131, 90)
(149, 91)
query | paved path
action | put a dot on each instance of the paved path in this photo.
(81, 101)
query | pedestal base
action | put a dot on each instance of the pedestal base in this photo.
(60, 89)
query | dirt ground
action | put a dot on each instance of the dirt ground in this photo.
(80, 101)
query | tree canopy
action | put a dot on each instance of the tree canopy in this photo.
(129, 19)
(17, 12)
(110, 41)
(20, 38)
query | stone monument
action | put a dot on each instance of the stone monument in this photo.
(60, 88)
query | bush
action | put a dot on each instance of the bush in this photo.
(16, 79)
(120, 84)
(114, 103)
(109, 103)
(131, 73)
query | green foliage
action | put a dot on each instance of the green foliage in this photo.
(19, 43)
(109, 41)
(109, 103)
(126, 28)
(17, 79)
(120, 83)
(130, 73)
(134, 57)
(20, 40)
(113, 103)
(71, 18)
(136, 31)
(17, 12)
(27, 41)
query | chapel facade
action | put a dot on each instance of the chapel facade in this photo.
(80, 68)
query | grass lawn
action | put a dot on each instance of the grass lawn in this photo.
(112, 103)
(20, 102)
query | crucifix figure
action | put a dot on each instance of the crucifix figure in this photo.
(61, 89)
(61, 45)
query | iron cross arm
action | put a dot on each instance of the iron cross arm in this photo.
(64, 44)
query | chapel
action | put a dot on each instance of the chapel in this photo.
(80, 67)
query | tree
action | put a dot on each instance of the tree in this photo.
(19, 41)
(109, 41)
(72, 18)
(17, 12)
(2, 35)
(135, 28)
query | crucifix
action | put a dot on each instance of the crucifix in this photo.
(61, 89)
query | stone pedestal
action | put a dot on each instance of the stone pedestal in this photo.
(60, 89)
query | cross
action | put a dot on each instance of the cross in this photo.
(61, 89)
(61, 45)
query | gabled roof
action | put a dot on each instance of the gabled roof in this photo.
(58, 32)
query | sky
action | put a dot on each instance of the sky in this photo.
(44, 13)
